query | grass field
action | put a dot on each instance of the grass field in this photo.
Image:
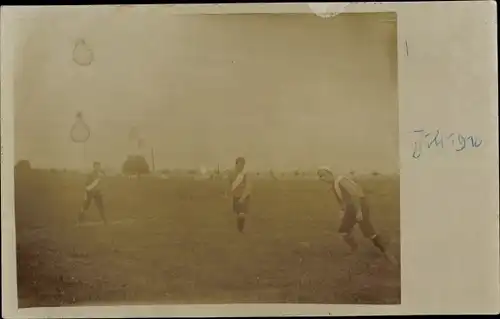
(175, 241)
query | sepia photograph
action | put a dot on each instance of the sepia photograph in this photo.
(206, 158)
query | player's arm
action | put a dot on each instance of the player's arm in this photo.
(92, 182)
(357, 192)
(229, 188)
(93, 185)
(88, 181)
(339, 201)
(247, 190)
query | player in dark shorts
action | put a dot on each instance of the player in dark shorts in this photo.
(354, 210)
(93, 192)
(240, 191)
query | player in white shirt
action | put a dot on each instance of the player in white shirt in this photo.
(354, 210)
(240, 190)
(93, 193)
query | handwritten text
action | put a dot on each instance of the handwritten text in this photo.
(437, 139)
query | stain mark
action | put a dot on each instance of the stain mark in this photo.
(406, 48)
(80, 131)
(83, 55)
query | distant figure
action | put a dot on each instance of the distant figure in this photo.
(93, 192)
(240, 191)
(354, 210)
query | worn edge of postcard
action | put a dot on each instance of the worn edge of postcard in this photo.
(441, 285)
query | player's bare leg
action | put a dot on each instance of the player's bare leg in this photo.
(85, 206)
(369, 232)
(100, 208)
(377, 242)
(81, 215)
(350, 241)
(240, 222)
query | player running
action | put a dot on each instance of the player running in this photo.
(240, 191)
(354, 210)
(93, 193)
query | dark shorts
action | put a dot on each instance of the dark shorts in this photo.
(93, 196)
(349, 221)
(241, 207)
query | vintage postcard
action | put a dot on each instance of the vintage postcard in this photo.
(257, 159)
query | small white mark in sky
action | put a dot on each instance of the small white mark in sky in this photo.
(328, 9)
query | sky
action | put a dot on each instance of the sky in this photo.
(285, 91)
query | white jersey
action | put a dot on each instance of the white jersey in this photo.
(348, 190)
